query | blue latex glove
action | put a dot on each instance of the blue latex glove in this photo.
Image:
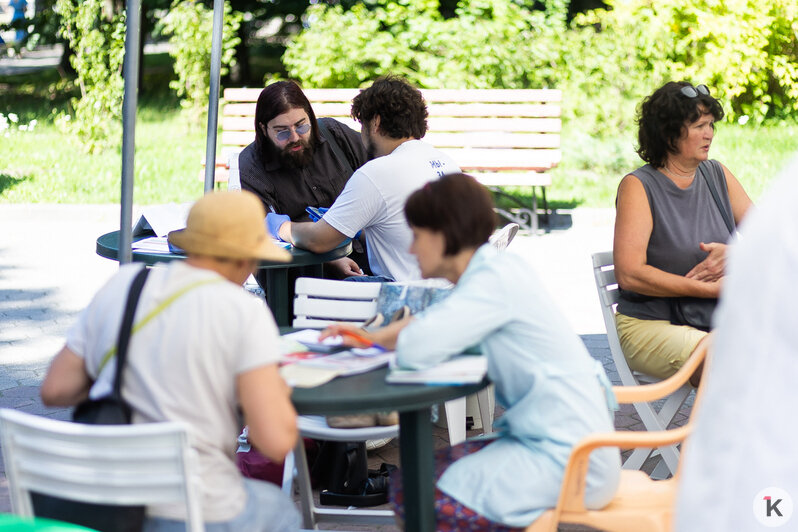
(274, 222)
(315, 213)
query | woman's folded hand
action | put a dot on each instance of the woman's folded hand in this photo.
(711, 268)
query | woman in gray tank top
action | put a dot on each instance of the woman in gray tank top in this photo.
(674, 217)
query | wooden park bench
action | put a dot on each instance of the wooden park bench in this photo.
(503, 137)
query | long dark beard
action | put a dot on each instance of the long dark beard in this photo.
(299, 159)
(288, 158)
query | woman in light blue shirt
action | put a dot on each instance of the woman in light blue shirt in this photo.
(553, 392)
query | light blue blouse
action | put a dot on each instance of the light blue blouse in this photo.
(553, 392)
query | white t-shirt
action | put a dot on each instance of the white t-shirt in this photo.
(374, 200)
(745, 426)
(182, 365)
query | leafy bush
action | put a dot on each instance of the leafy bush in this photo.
(488, 43)
(745, 50)
(606, 60)
(98, 44)
(189, 25)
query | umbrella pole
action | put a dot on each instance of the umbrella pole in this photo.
(213, 96)
(129, 104)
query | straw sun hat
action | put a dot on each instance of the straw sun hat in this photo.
(228, 225)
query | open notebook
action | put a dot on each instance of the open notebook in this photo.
(463, 369)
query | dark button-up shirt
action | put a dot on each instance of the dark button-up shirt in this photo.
(289, 190)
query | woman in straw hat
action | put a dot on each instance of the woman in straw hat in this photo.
(207, 348)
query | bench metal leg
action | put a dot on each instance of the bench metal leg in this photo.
(526, 217)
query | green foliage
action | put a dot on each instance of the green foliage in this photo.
(745, 50)
(189, 25)
(488, 43)
(98, 44)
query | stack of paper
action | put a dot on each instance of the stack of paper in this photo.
(307, 361)
(153, 244)
(463, 369)
(348, 363)
(160, 219)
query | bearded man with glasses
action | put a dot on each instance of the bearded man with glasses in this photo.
(298, 161)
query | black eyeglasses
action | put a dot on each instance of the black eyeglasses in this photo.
(692, 92)
(285, 134)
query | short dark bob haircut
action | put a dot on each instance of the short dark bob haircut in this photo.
(662, 117)
(457, 206)
(400, 106)
(278, 98)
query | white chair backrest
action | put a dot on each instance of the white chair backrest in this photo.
(141, 464)
(233, 176)
(653, 420)
(502, 238)
(607, 286)
(321, 302)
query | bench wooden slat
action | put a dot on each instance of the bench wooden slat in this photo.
(436, 124)
(513, 179)
(231, 137)
(430, 95)
(241, 139)
(481, 110)
(496, 159)
(239, 109)
(528, 125)
(490, 110)
(493, 140)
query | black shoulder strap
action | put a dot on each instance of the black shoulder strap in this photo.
(339, 154)
(127, 326)
(714, 191)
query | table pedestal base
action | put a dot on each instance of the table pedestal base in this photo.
(416, 452)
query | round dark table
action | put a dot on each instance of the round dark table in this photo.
(368, 392)
(279, 291)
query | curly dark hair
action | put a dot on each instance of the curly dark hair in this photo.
(400, 106)
(278, 98)
(662, 117)
(456, 205)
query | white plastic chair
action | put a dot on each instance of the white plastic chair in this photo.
(233, 175)
(322, 302)
(141, 464)
(502, 237)
(607, 286)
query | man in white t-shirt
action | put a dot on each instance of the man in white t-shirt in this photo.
(393, 117)
(206, 348)
(740, 467)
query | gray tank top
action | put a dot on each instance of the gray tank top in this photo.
(682, 219)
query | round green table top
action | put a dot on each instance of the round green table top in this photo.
(108, 247)
(368, 392)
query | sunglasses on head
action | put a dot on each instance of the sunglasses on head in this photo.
(285, 134)
(692, 92)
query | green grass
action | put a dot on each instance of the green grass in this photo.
(46, 165)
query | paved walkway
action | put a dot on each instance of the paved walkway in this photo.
(49, 271)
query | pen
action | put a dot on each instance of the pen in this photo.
(359, 338)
